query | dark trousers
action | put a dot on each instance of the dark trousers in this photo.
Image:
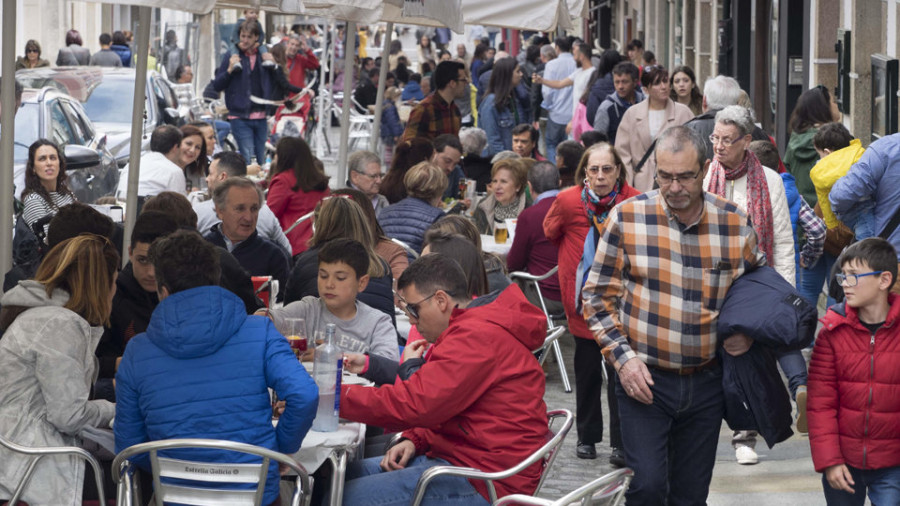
(671, 444)
(588, 391)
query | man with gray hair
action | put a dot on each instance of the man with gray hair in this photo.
(475, 166)
(364, 174)
(664, 262)
(300, 58)
(237, 201)
(737, 175)
(718, 93)
(531, 251)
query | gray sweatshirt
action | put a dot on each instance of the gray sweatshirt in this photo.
(370, 331)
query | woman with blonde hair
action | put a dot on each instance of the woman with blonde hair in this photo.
(509, 179)
(339, 217)
(51, 326)
(408, 219)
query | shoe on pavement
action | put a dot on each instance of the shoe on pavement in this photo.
(237, 67)
(802, 424)
(617, 458)
(268, 63)
(745, 455)
(585, 451)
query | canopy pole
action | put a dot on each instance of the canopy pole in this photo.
(323, 114)
(7, 140)
(137, 126)
(349, 51)
(382, 77)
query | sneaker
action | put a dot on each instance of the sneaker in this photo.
(237, 67)
(617, 458)
(268, 63)
(802, 425)
(745, 455)
(585, 451)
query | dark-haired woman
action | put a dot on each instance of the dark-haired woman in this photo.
(406, 155)
(45, 183)
(685, 90)
(499, 112)
(601, 84)
(32, 58)
(192, 158)
(814, 108)
(296, 187)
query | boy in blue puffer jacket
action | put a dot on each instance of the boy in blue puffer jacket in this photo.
(203, 368)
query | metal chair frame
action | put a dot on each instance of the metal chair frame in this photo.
(406, 247)
(547, 452)
(205, 472)
(557, 351)
(611, 487)
(37, 453)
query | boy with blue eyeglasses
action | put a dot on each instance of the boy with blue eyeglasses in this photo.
(854, 416)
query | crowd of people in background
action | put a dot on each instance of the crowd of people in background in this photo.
(654, 195)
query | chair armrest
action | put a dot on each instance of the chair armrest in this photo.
(552, 337)
(465, 472)
(526, 276)
(522, 499)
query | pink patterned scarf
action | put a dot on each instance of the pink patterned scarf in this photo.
(759, 206)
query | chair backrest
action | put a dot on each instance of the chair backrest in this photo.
(531, 278)
(411, 252)
(551, 448)
(552, 336)
(37, 454)
(266, 288)
(607, 490)
(216, 479)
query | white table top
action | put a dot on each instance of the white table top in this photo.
(488, 244)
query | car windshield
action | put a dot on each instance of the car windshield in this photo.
(110, 102)
(27, 130)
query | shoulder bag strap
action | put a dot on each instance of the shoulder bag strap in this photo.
(640, 165)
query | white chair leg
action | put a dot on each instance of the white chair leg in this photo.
(557, 351)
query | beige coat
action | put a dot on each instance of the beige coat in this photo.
(633, 139)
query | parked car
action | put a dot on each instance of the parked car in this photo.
(51, 114)
(107, 95)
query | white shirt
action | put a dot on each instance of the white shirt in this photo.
(657, 120)
(580, 80)
(158, 174)
(266, 224)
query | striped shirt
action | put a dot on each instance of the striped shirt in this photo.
(35, 207)
(656, 286)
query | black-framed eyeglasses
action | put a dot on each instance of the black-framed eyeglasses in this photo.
(853, 279)
(412, 309)
(666, 179)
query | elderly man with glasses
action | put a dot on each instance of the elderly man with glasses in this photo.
(664, 262)
(365, 175)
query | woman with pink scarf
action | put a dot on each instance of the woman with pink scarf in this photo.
(737, 175)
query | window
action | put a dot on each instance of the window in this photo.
(60, 130)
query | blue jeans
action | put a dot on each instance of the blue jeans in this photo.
(882, 485)
(812, 279)
(861, 219)
(555, 134)
(368, 485)
(793, 365)
(671, 444)
(250, 135)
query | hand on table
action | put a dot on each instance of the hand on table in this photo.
(354, 362)
(398, 456)
(838, 477)
(414, 349)
(636, 380)
(737, 344)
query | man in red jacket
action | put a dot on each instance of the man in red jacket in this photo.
(854, 419)
(300, 58)
(476, 402)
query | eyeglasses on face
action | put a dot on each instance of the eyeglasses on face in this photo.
(665, 179)
(377, 175)
(607, 169)
(724, 141)
(853, 279)
(412, 309)
(32, 50)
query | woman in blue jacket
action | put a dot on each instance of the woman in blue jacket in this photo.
(499, 112)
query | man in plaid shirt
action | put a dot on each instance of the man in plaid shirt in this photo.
(437, 114)
(664, 263)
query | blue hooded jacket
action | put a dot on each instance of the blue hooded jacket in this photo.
(202, 370)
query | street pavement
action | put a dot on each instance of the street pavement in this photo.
(784, 475)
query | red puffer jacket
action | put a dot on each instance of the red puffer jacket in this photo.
(478, 399)
(854, 391)
(567, 225)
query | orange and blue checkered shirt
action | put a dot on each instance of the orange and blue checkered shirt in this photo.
(656, 286)
(433, 116)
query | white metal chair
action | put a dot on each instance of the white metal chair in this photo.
(607, 490)
(207, 474)
(38, 453)
(411, 252)
(300, 220)
(553, 335)
(546, 453)
(557, 351)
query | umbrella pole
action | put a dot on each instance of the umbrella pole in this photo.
(137, 126)
(382, 77)
(349, 51)
(323, 114)
(7, 140)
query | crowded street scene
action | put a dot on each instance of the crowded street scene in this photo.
(450, 252)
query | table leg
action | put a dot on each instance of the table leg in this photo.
(338, 460)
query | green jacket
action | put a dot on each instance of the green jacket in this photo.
(799, 158)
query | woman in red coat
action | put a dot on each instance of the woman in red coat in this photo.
(601, 186)
(297, 186)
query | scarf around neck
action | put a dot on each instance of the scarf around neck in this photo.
(596, 207)
(759, 206)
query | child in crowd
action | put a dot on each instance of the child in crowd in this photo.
(838, 150)
(360, 329)
(413, 89)
(391, 126)
(802, 215)
(249, 14)
(854, 417)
